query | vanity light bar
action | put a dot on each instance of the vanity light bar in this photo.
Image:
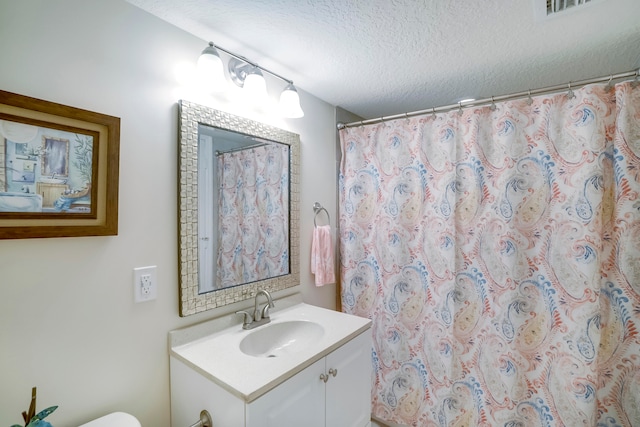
(241, 71)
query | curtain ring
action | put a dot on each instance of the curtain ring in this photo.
(460, 108)
(493, 105)
(433, 109)
(570, 94)
(529, 99)
(609, 85)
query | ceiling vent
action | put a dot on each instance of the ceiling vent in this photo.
(550, 8)
(555, 6)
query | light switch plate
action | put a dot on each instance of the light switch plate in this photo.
(145, 285)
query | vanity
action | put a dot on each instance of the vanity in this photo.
(308, 366)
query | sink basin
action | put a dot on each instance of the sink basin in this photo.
(52, 180)
(278, 339)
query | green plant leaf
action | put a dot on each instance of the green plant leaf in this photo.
(44, 413)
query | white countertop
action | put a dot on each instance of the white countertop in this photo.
(218, 357)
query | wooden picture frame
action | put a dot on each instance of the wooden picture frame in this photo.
(58, 170)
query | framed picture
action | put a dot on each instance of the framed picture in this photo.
(58, 170)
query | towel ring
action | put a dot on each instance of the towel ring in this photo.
(317, 208)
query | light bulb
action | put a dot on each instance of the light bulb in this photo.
(210, 69)
(290, 103)
(255, 86)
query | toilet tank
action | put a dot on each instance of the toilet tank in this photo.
(116, 419)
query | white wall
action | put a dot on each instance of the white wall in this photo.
(68, 324)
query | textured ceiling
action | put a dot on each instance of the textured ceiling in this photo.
(383, 57)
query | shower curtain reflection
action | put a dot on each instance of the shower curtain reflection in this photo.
(497, 253)
(253, 206)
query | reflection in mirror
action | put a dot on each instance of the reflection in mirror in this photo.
(238, 208)
(243, 209)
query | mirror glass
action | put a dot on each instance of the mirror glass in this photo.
(238, 205)
(243, 209)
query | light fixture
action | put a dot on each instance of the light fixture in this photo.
(210, 68)
(249, 77)
(290, 102)
(254, 84)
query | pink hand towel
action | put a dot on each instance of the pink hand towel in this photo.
(322, 255)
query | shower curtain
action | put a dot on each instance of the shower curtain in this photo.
(497, 251)
(252, 210)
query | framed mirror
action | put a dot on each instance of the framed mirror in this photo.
(238, 208)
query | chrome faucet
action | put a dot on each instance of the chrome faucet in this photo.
(260, 316)
(264, 314)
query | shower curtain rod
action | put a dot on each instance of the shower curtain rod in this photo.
(247, 147)
(493, 99)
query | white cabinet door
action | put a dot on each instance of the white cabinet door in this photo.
(298, 402)
(348, 393)
(191, 392)
(305, 400)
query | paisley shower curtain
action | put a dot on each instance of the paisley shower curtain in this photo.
(497, 252)
(253, 209)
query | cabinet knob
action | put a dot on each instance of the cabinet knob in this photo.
(333, 372)
(324, 377)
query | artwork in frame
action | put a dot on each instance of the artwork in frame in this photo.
(58, 170)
